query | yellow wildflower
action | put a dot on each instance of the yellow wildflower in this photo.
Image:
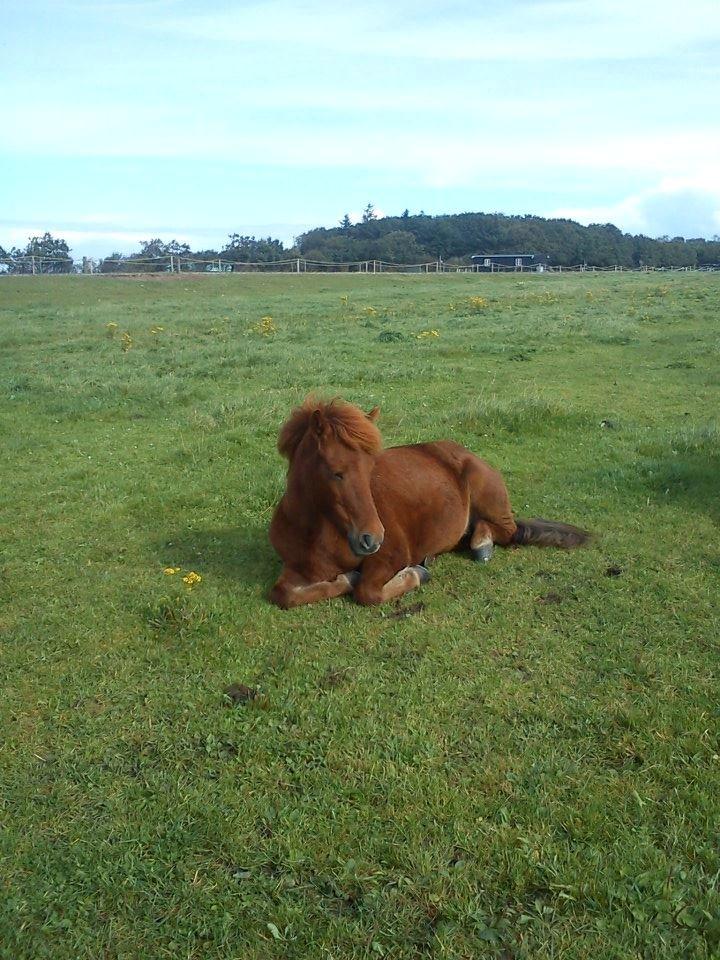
(169, 571)
(478, 303)
(192, 578)
(425, 334)
(265, 327)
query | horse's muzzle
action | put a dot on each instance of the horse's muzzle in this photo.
(364, 544)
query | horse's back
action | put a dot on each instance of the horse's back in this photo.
(438, 456)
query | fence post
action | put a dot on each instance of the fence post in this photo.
(172, 269)
(32, 259)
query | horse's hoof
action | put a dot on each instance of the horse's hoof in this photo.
(423, 573)
(352, 577)
(483, 553)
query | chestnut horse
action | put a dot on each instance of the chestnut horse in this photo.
(359, 519)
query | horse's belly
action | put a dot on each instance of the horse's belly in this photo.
(441, 528)
(422, 488)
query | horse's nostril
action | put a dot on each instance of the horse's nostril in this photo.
(364, 544)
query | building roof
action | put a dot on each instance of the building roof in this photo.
(487, 255)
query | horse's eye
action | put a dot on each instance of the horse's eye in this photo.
(339, 476)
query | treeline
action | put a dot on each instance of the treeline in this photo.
(155, 255)
(48, 254)
(455, 238)
(45, 254)
(407, 239)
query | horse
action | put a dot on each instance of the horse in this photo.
(359, 519)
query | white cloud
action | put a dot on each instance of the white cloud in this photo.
(677, 206)
(443, 159)
(559, 30)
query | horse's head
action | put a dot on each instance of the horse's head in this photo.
(331, 448)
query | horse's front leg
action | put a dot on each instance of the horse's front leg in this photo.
(291, 591)
(378, 586)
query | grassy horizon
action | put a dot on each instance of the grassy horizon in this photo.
(518, 761)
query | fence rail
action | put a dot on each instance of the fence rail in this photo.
(172, 263)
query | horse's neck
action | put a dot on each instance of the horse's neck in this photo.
(301, 499)
(305, 511)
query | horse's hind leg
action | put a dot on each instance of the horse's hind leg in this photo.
(491, 519)
(481, 542)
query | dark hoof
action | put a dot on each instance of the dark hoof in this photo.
(423, 573)
(483, 553)
(353, 576)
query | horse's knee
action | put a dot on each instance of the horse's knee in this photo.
(367, 596)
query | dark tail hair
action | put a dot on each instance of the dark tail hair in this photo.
(549, 533)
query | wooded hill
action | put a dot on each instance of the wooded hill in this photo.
(406, 239)
(456, 237)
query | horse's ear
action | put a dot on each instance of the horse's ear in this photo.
(317, 421)
(374, 415)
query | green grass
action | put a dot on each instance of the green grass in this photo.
(517, 761)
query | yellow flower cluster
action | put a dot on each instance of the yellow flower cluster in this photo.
(265, 327)
(478, 303)
(426, 334)
(190, 578)
(156, 329)
(126, 341)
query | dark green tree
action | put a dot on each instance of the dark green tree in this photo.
(111, 264)
(45, 254)
(244, 249)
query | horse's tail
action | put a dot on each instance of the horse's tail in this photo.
(549, 533)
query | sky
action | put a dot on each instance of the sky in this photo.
(194, 119)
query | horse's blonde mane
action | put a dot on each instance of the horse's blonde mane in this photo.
(348, 423)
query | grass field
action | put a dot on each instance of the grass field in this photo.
(517, 761)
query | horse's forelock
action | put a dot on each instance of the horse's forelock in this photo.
(351, 426)
(347, 422)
